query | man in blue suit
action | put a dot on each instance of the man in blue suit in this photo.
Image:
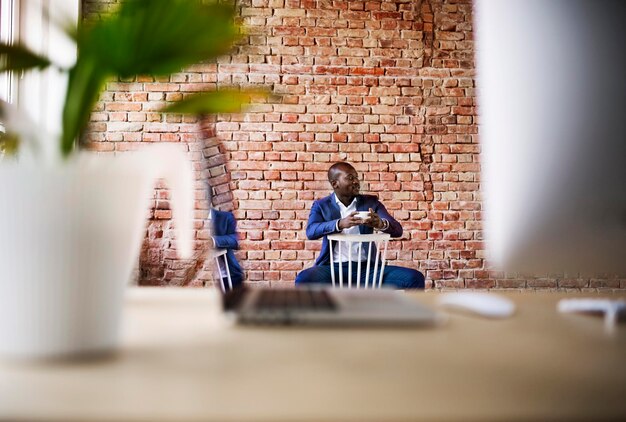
(224, 236)
(337, 213)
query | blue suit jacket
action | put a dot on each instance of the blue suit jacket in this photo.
(325, 213)
(225, 236)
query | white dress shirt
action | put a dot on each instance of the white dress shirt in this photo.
(346, 211)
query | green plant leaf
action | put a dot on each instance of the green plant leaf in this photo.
(223, 101)
(17, 57)
(9, 143)
(86, 79)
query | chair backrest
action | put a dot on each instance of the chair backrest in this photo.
(377, 242)
(221, 263)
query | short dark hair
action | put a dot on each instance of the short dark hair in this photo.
(336, 168)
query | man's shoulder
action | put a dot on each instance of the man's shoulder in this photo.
(325, 200)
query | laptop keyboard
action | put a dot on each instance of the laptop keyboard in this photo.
(294, 299)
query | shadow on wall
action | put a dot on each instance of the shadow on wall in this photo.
(158, 264)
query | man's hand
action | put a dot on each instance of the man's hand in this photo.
(350, 221)
(374, 221)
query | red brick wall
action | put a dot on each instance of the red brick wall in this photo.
(386, 85)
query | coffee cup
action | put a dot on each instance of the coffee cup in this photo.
(363, 215)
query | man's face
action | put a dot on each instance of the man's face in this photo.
(347, 182)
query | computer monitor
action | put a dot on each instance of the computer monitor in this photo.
(551, 82)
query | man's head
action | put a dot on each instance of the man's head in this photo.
(344, 180)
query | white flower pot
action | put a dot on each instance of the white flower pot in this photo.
(70, 235)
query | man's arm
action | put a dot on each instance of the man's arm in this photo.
(317, 227)
(227, 240)
(394, 228)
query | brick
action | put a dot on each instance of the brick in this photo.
(122, 106)
(288, 245)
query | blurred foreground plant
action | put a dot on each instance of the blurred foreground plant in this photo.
(142, 37)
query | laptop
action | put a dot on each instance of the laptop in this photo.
(324, 306)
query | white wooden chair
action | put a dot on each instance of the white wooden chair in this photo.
(377, 241)
(220, 254)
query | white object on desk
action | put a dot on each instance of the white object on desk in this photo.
(484, 304)
(610, 308)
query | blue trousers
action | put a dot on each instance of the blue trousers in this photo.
(393, 276)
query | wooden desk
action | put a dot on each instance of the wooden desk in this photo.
(181, 362)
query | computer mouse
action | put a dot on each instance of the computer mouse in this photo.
(488, 305)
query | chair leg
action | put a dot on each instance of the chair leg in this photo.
(369, 259)
(340, 268)
(382, 267)
(358, 271)
(230, 280)
(219, 274)
(332, 262)
(374, 276)
(349, 265)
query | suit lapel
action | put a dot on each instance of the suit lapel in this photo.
(359, 207)
(359, 203)
(335, 212)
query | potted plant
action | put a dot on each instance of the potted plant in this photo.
(71, 223)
